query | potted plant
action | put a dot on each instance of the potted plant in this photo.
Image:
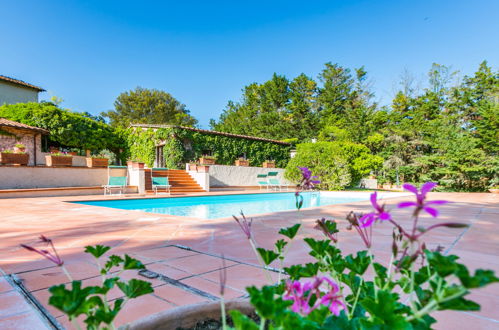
(54, 150)
(494, 190)
(207, 160)
(135, 164)
(97, 161)
(202, 168)
(13, 158)
(193, 167)
(58, 159)
(268, 164)
(242, 162)
(19, 148)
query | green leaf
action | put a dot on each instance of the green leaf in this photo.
(268, 256)
(132, 263)
(480, 279)
(97, 251)
(280, 244)
(359, 264)
(72, 302)
(443, 265)
(290, 232)
(113, 261)
(242, 322)
(459, 304)
(386, 311)
(135, 288)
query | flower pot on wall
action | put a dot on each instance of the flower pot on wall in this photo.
(207, 161)
(203, 168)
(494, 190)
(242, 162)
(14, 158)
(97, 162)
(268, 165)
(51, 160)
(193, 167)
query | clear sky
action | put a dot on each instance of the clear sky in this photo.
(205, 52)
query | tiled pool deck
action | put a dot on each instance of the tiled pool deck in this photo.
(191, 276)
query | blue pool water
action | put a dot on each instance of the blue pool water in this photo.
(221, 206)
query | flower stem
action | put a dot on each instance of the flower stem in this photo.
(222, 307)
(264, 269)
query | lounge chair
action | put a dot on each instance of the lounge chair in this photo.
(274, 183)
(262, 181)
(159, 182)
(115, 182)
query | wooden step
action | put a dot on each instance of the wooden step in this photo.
(180, 180)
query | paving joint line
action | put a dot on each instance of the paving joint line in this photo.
(17, 283)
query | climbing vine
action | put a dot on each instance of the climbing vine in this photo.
(181, 146)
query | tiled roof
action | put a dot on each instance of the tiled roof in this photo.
(21, 83)
(211, 132)
(14, 124)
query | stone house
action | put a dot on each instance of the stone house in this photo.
(17, 91)
(12, 133)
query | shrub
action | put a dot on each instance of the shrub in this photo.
(324, 159)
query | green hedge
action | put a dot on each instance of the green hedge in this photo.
(67, 128)
(142, 142)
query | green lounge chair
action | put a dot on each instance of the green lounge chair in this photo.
(115, 182)
(274, 183)
(159, 182)
(262, 181)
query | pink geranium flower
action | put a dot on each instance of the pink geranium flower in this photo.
(420, 202)
(379, 213)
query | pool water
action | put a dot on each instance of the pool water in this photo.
(222, 206)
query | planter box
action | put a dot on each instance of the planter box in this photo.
(58, 160)
(207, 161)
(187, 317)
(193, 167)
(97, 162)
(494, 191)
(240, 162)
(11, 158)
(134, 165)
(203, 168)
(268, 165)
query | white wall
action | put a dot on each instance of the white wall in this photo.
(10, 94)
(224, 175)
(26, 177)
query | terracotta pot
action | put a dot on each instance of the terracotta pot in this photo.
(138, 165)
(193, 167)
(19, 150)
(54, 150)
(58, 160)
(494, 191)
(206, 161)
(187, 316)
(240, 162)
(13, 158)
(97, 162)
(203, 168)
(268, 165)
(73, 153)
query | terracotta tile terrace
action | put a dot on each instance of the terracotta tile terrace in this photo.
(184, 254)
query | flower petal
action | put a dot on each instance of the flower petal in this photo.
(411, 188)
(436, 202)
(374, 202)
(431, 211)
(427, 187)
(367, 219)
(406, 204)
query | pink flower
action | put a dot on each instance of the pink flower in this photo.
(300, 294)
(420, 203)
(52, 256)
(307, 181)
(379, 213)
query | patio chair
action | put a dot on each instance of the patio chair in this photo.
(262, 181)
(275, 183)
(273, 174)
(159, 182)
(115, 182)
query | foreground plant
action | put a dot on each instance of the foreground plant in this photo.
(335, 292)
(92, 301)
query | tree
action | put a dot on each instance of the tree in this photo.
(148, 106)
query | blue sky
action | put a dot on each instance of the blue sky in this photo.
(205, 52)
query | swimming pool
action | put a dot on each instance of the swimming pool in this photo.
(221, 206)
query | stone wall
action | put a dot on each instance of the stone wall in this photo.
(240, 176)
(25, 177)
(28, 138)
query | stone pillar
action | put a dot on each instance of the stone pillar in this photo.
(137, 178)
